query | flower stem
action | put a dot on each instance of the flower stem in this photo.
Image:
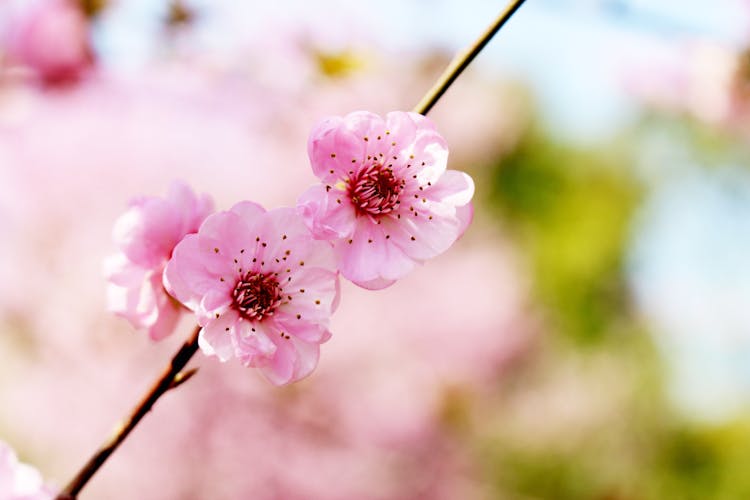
(171, 378)
(463, 59)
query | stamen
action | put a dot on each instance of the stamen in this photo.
(256, 295)
(374, 190)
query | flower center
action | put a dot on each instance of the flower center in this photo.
(374, 190)
(257, 295)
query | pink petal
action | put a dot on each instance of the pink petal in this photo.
(194, 270)
(430, 151)
(430, 237)
(465, 215)
(120, 271)
(193, 209)
(216, 300)
(308, 355)
(375, 284)
(248, 210)
(332, 148)
(402, 127)
(253, 347)
(145, 304)
(129, 303)
(360, 261)
(324, 215)
(396, 264)
(319, 298)
(228, 230)
(166, 321)
(454, 188)
(279, 368)
(303, 329)
(216, 337)
(373, 261)
(363, 124)
(294, 359)
(146, 233)
(282, 230)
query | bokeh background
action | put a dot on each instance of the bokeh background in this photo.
(588, 338)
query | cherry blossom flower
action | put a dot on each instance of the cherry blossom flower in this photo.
(146, 235)
(19, 481)
(263, 289)
(51, 37)
(387, 200)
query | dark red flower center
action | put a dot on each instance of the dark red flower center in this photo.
(374, 190)
(257, 295)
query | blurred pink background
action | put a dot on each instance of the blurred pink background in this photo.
(487, 373)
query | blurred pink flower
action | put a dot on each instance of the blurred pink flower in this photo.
(146, 235)
(262, 288)
(695, 77)
(19, 481)
(387, 200)
(51, 37)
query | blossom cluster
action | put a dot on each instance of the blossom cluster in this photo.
(264, 283)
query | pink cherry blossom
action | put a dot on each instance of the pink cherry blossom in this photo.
(146, 235)
(51, 37)
(387, 200)
(19, 481)
(263, 289)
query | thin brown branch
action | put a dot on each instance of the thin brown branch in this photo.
(170, 378)
(463, 59)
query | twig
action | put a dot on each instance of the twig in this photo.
(171, 378)
(463, 59)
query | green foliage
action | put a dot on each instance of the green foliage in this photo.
(571, 209)
(681, 463)
(704, 462)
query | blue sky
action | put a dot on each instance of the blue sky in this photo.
(573, 53)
